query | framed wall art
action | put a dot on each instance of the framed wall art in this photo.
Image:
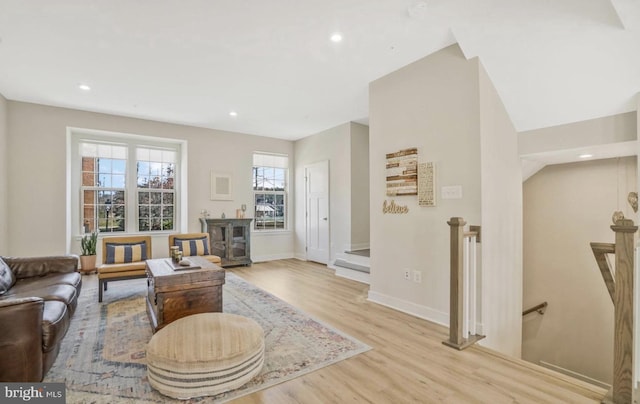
(221, 187)
(402, 172)
(426, 184)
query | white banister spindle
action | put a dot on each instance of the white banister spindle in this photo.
(465, 288)
(472, 285)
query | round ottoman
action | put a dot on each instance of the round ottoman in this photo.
(204, 355)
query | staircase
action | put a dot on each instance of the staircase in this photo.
(620, 285)
(353, 265)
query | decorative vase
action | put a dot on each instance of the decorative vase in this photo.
(88, 263)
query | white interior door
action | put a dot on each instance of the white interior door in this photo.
(317, 193)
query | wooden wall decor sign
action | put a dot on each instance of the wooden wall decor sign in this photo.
(391, 207)
(402, 172)
(426, 184)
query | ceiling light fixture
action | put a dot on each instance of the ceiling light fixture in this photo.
(585, 156)
(233, 114)
(336, 37)
(84, 87)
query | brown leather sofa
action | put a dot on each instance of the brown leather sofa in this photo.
(38, 296)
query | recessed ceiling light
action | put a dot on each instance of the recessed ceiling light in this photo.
(336, 37)
(84, 87)
(417, 10)
(585, 156)
(233, 113)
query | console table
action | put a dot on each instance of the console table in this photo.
(230, 239)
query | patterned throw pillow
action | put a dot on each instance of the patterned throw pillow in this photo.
(192, 246)
(7, 278)
(121, 253)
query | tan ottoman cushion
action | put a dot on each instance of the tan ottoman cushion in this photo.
(205, 354)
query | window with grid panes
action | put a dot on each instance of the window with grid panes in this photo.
(156, 192)
(270, 186)
(126, 187)
(103, 187)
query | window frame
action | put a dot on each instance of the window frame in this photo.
(75, 136)
(284, 193)
(97, 189)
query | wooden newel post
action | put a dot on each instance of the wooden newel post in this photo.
(623, 306)
(456, 295)
(456, 298)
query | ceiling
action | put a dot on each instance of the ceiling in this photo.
(194, 61)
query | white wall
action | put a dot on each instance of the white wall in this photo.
(431, 104)
(501, 232)
(566, 207)
(334, 145)
(359, 186)
(37, 172)
(4, 177)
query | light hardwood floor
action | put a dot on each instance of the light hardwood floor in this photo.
(408, 363)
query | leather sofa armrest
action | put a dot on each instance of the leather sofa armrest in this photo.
(28, 267)
(21, 339)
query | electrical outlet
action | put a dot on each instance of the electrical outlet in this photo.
(407, 275)
(417, 276)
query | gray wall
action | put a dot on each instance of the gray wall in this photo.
(37, 175)
(501, 223)
(606, 130)
(334, 145)
(359, 186)
(566, 207)
(446, 106)
(431, 104)
(4, 177)
(346, 147)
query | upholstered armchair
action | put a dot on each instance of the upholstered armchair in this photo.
(194, 244)
(123, 257)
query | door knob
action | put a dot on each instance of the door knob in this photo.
(324, 218)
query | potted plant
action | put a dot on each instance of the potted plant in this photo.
(88, 244)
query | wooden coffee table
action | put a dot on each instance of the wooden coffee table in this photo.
(174, 292)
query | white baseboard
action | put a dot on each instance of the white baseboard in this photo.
(575, 375)
(300, 256)
(271, 257)
(404, 306)
(359, 246)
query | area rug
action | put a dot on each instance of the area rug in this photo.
(102, 358)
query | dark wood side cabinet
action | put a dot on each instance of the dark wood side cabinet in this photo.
(230, 239)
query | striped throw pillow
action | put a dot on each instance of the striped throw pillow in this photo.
(119, 253)
(7, 278)
(193, 246)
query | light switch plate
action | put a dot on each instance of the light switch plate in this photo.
(451, 192)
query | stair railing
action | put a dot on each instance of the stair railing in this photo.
(540, 308)
(620, 287)
(463, 284)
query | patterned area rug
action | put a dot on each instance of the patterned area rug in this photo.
(102, 358)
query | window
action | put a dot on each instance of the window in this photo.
(103, 187)
(127, 184)
(156, 193)
(270, 185)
